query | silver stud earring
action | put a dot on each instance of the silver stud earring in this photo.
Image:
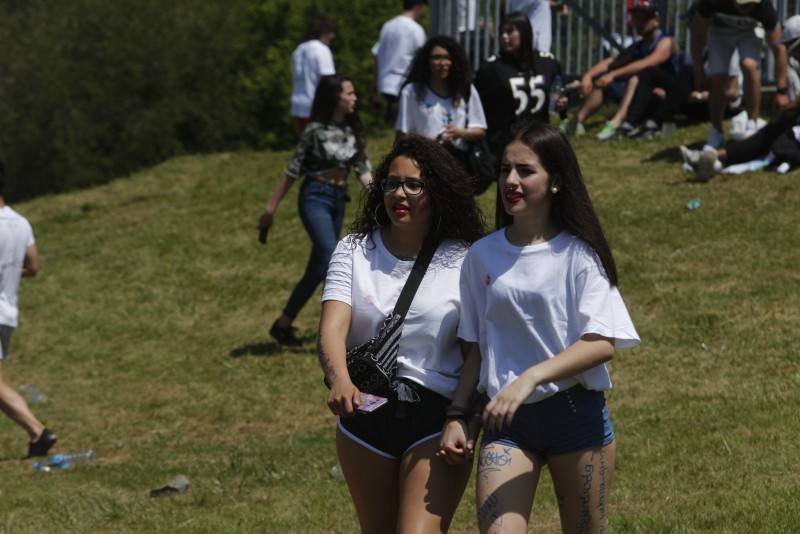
(554, 190)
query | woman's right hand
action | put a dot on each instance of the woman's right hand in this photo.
(264, 224)
(344, 397)
(454, 446)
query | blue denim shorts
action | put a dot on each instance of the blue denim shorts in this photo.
(573, 420)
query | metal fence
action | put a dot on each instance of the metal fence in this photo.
(587, 34)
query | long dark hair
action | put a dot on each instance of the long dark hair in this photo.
(455, 215)
(524, 60)
(459, 78)
(325, 100)
(570, 208)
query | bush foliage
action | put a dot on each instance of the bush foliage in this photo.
(90, 90)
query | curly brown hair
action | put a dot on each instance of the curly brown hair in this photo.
(455, 212)
(460, 77)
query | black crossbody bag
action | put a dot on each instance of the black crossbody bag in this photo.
(481, 161)
(372, 366)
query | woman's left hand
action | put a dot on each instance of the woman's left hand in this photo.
(501, 409)
(451, 132)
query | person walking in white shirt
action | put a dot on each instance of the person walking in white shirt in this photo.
(388, 455)
(311, 60)
(18, 258)
(541, 317)
(399, 40)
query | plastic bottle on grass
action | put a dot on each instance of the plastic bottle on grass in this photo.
(32, 394)
(693, 204)
(66, 460)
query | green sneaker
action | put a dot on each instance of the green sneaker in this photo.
(609, 131)
(570, 128)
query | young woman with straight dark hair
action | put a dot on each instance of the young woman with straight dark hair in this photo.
(388, 456)
(516, 83)
(332, 144)
(541, 314)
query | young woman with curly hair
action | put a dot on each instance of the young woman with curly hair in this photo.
(388, 456)
(438, 99)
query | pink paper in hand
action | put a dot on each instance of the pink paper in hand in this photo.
(370, 403)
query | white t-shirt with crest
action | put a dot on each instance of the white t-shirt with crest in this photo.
(524, 305)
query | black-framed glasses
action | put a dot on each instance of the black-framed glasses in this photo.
(410, 187)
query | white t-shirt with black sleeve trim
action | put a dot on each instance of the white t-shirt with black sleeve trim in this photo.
(364, 275)
(430, 115)
(524, 305)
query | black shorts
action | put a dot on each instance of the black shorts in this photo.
(395, 428)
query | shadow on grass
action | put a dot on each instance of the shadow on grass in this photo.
(269, 348)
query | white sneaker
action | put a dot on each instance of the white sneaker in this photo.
(708, 164)
(690, 156)
(715, 138)
(739, 126)
(752, 127)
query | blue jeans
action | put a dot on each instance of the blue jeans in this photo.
(321, 207)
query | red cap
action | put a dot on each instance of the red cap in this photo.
(642, 5)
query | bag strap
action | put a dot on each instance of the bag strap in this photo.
(466, 111)
(415, 278)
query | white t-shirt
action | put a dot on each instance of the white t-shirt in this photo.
(366, 276)
(429, 116)
(538, 12)
(524, 305)
(310, 61)
(16, 235)
(467, 11)
(400, 39)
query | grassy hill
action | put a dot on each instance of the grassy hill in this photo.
(147, 330)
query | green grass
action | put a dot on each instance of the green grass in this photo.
(151, 284)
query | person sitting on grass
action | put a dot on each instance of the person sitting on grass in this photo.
(655, 49)
(18, 258)
(710, 160)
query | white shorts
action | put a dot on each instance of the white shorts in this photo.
(5, 341)
(723, 43)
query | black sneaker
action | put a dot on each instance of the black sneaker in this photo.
(285, 336)
(41, 446)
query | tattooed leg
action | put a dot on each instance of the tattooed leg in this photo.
(506, 485)
(582, 482)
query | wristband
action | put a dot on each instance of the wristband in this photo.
(456, 409)
(782, 90)
(457, 417)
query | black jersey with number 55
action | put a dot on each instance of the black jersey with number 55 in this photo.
(508, 93)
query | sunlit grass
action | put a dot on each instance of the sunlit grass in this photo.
(147, 330)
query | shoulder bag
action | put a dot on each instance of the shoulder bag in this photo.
(372, 366)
